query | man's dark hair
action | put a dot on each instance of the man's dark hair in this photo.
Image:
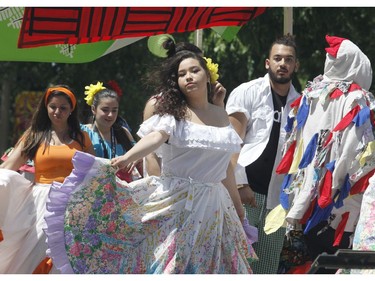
(287, 40)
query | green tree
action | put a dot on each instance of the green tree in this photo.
(243, 59)
(239, 61)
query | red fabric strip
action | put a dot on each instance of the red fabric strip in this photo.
(362, 183)
(286, 162)
(372, 118)
(347, 119)
(328, 139)
(336, 93)
(340, 229)
(308, 212)
(354, 87)
(325, 191)
(296, 102)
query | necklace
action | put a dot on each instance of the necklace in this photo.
(104, 147)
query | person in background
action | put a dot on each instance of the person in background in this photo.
(258, 110)
(216, 96)
(188, 220)
(51, 141)
(109, 136)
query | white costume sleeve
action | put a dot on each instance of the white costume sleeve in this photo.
(165, 123)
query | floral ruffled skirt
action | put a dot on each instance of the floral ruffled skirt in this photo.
(364, 236)
(100, 224)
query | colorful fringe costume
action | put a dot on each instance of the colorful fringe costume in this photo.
(328, 158)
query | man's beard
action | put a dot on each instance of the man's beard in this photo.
(279, 80)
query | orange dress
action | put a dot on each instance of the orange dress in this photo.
(55, 162)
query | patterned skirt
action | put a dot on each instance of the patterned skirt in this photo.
(98, 223)
(364, 235)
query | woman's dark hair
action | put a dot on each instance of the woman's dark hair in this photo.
(173, 48)
(120, 134)
(40, 128)
(165, 79)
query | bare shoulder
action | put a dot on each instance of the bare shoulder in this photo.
(149, 108)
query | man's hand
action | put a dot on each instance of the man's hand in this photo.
(247, 195)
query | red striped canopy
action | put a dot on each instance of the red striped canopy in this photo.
(43, 26)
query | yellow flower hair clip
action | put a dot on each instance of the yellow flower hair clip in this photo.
(91, 91)
(213, 68)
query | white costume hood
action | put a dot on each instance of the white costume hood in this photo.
(346, 62)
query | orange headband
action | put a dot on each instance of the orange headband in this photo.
(65, 91)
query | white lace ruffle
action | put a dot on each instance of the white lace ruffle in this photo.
(188, 134)
(165, 123)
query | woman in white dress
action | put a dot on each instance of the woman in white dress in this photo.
(188, 220)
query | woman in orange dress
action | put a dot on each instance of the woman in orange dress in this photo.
(51, 141)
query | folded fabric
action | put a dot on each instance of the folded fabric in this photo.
(275, 219)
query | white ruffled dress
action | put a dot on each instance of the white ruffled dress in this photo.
(181, 222)
(22, 206)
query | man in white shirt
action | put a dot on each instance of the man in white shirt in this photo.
(258, 110)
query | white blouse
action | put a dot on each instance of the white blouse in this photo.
(194, 151)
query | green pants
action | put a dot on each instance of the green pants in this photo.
(268, 247)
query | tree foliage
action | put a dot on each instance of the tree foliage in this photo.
(239, 61)
(243, 58)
